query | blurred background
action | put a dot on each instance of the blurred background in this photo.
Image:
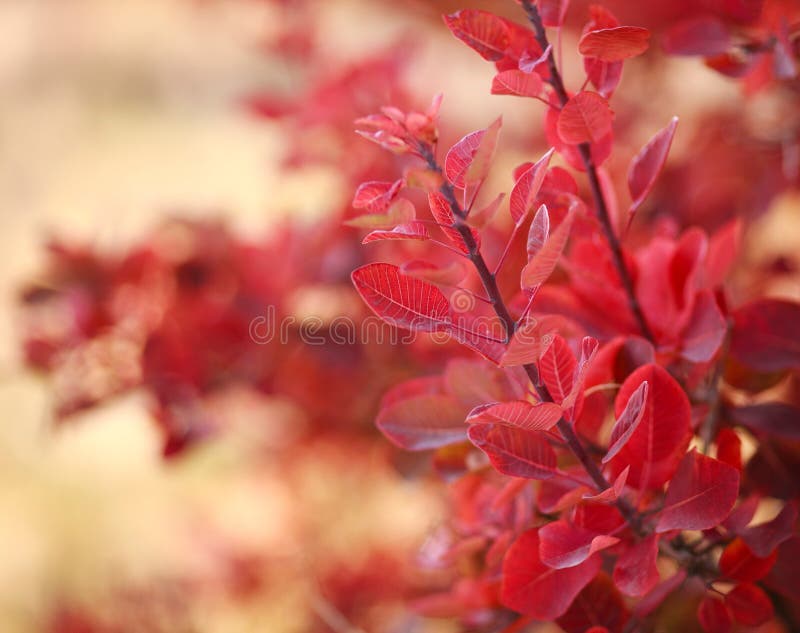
(198, 153)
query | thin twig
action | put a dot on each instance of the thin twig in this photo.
(585, 151)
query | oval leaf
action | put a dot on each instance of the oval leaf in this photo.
(615, 44)
(519, 413)
(423, 422)
(700, 495)
(648, 163)
(402, 300)
(515, 452)
(585, 118)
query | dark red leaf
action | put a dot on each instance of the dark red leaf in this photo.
(423, 422)
(739, 563)
(401, 300)
(615, 44)
(729, 448)
(749, 604)
(771, 418)
(700, 495)
(520, 414)
(598, 605)
(532, 588)
(585, 118)
(705, 331)
(648, 163)
(765, 334)
(636, 572)
(485, 33)
(714, 616)
(514, 451)
(563, 545)
(764, 538)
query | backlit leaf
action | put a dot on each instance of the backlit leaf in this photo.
(484, 32)
(585, 118)
(648, 163)
(514, 451)
(423, 422)
(615, 44)
(402, 300)
(520, 414)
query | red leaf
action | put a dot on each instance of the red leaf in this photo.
(706, 36)
(443, 214)
(517, 83)
(531, 588)
(589, 347)
(401, 211)
(468, 161)
(612, 493)
(528, 342)
(557, 368)
(402, 300)
(653, 599)
(648, 163)
(660, 440)
(410, 231)
(563, 545)
(483, 216)
(552, 11)
(485, 33)
(598, 605)
(449, 275)
(519, 414)
(615, 44)
(585, 118)
(375, 196)
(526, 188)
(542, 265)
(473, 382)
(538, 232)
(749, 604)
(739, 563)
(770, 418)
(705, 331)
(628, 421)
(700, 495)
(729, 448)
(765, 334)
(636, 572)
(514, 451)
(423, 422)
(714, 616)
(764, 538)
(605, 76)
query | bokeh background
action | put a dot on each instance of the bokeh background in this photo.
(117, 115)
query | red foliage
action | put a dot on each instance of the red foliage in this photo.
(645, 325)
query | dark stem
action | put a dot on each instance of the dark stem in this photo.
(585, 151)
(496, 299)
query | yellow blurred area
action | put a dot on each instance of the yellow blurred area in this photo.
(114, 114)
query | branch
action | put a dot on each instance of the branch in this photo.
(585, 151)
